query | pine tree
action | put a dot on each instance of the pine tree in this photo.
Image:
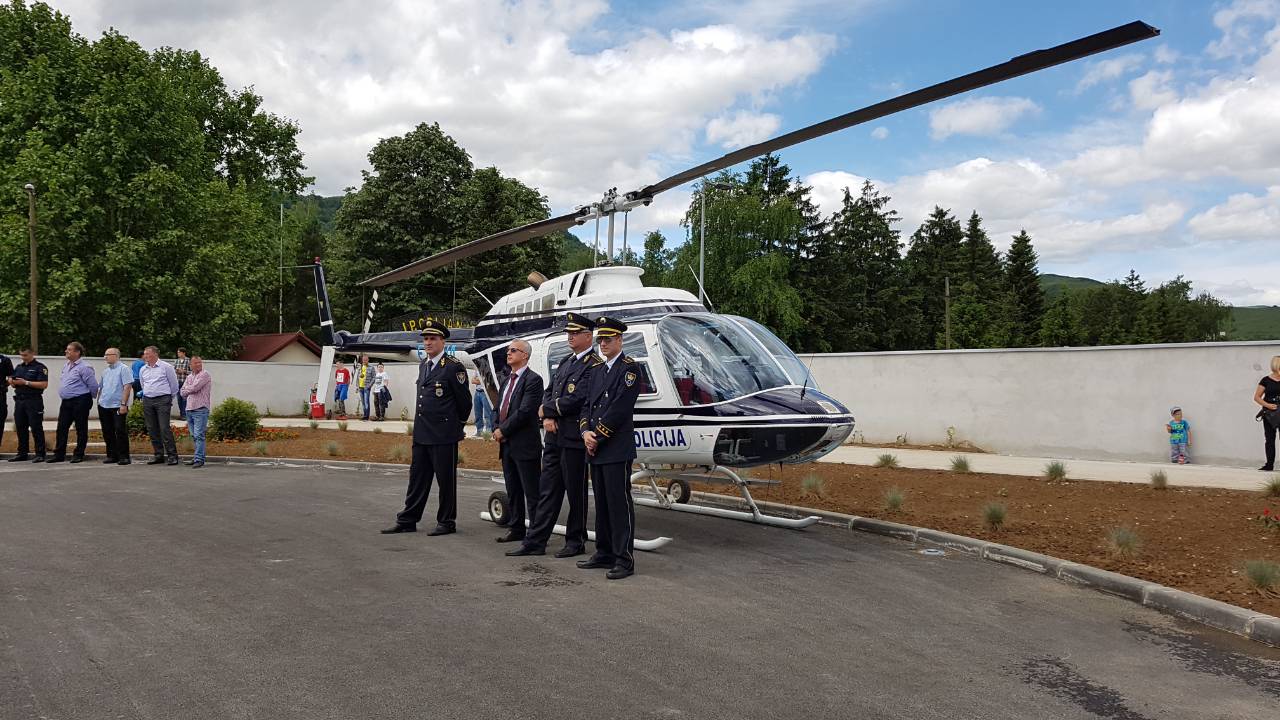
(1058, 328)
(934, 256)
(863, 301)
(1025, 296)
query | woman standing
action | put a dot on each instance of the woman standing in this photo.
(1268, 396)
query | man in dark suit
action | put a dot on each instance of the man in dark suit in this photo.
(519, 443)
(443, 407)
(564, 457)
(606, 426)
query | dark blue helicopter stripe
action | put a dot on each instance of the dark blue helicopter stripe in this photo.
(747, 422)
(592, 308)
(524, 327)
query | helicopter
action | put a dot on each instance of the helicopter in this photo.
(719, 393)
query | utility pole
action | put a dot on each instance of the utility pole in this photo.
(702, 246)
(280, 236)
(35, 277)
(946, 299)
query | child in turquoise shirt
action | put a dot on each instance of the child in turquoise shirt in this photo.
(1179, 437)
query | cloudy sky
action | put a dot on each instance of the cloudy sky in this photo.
(1163, 157)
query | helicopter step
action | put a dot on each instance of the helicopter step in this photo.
(499, 507)
(678, 493)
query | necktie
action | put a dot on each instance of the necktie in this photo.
(506, 398)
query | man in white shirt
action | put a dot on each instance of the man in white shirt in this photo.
(159, 388)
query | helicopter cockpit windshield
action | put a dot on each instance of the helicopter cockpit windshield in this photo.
(714, 358)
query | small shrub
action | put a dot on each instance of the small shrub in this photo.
(233, 419)
(487, 435)
(267, 412)
(398, 453)
(306, 409)
(901, 439)
(1055, 471)
(333, 448)
(893, 499)
(951, 436)
(1002, 492)
(134, 421)
(1270, 520)
(813, 485)
(1263, 575)
(960, 464)
(377, 431)
(462, 457)
(314, 424)
(404, 414)
(261, 447)
(342, 425)
(408, 429)
(887, 460)
(1159, 480)
(1123, 542)
(1271, 488)
(994, 514)
(185, 444)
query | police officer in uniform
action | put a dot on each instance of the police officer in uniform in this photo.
(606, 426)
(564, 457)
(6, 371)
(29, 380)
(443, 406)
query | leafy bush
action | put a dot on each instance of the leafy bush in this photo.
(1271, 488)
(233, 419)
(994, 514)
(960, 464)
(135, 422)
(1123, 542)
(1264, 575)
(333, 448)
(1159, 480)
(887, 460)
(893, 499)
(1055, 471)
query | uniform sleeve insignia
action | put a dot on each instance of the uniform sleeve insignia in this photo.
(570, 387)
(629, 379)
(462, 377)
(628, 361)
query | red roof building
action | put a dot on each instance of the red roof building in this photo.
(291, 347)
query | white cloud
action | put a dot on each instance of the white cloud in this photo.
(1152, 90)
(1241, 217)
(507, 80)
(742, 128)
(829, 186)
(978, 116)
(1166, 55)
(1238, 23)
(1076, 238)
(1109, 69)
(880, 133)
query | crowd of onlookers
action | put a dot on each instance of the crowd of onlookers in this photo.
(373, 389)
(153, 382)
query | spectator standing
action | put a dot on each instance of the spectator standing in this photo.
(364, 382)
(481, 408)
(159, 386)
(114, 392)
(341, 385)
(1267, 394)
(6, 370)
(77, 388)
(1179, 437)
(197, 390)
(136, 369)
(381, 391)
(182, 368)
(29, 380)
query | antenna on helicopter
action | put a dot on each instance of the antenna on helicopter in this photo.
(702, 291)
(473, 287)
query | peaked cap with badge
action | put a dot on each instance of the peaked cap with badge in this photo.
(609, 327)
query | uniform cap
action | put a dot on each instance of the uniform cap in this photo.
(435, 327)
(609, 327)
(573, 322)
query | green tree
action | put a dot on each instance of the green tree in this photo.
(154, 184)
(657, 259)
(935, 254)
(1023, 309)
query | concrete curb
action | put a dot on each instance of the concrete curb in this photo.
(1253, 625)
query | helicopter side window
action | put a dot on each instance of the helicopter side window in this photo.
(714, 360)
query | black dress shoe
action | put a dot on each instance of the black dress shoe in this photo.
(55, 459)
(38, 458)
(75, 460)
(197, 465)
(156, 461)
(511, 537)
(568, 552)
(400, 529)
(618, 572)
(125, 461)
(171, 461)
(110, 461)
(20, 458)
(592, 563)
(524, 550)
(1266, 468)
(442, 530)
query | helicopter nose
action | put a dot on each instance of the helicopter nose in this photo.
(818, 424)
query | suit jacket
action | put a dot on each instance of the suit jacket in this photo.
(609, 411)
(444, 403)
(520, 433)
(565, 396)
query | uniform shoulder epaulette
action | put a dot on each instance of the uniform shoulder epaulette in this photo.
(596, 360)
(628, 361)
(448, 359)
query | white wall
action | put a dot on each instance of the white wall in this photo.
(1099, 403)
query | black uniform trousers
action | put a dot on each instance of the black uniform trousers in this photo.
(4, 417)
(521, 479)
(28, 416)
(115, 432)
(73, 410)
(438, 462)
(564, 472)
(1269, 442)
(615, 513)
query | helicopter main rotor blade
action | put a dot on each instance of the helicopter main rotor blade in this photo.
(1021, 65)
(466, 250)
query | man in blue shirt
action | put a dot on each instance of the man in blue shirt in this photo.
(76, 388)
(114, 393)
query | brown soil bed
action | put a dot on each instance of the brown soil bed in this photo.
(1193, 539)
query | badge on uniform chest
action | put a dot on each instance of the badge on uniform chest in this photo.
(570, 388)
(439, 390)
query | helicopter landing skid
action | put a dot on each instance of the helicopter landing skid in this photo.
(665, 501)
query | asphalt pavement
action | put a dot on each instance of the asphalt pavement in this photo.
(245, 592)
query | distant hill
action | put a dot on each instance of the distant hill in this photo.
(1055, 285)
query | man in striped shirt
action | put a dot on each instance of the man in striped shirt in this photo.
(196, 391)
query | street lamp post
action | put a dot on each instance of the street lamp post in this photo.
(35, 278)
(702, 238)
